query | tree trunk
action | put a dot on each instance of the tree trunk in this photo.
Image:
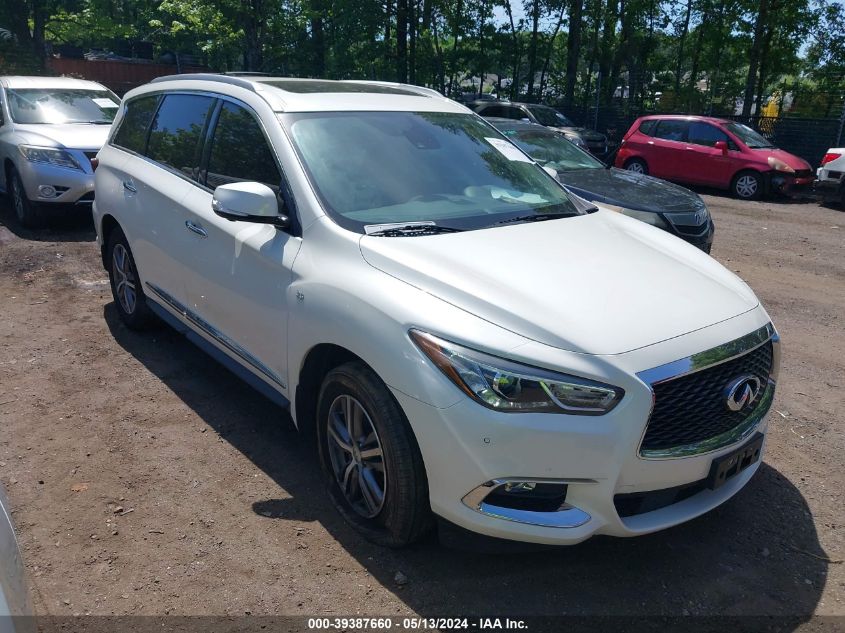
(413, 22)
(517, 53)
(550, 50)
(761, 81)
(388, 41)
(456, 34)
(606, 60)
(754, 56)
(318, 41)
(696, 55)
(402, 41)
(532, 49)
(573, 51)
(681, 39)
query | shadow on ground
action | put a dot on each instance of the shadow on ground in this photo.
(69, 225)
(756, 555)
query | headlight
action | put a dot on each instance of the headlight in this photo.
(50, 155)
(577, 141)
(508, 386)
(778, 165)
(649, 217)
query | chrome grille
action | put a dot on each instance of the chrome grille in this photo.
(691, 409)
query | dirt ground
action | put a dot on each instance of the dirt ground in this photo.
(146, 479)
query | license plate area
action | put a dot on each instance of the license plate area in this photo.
(726, 467)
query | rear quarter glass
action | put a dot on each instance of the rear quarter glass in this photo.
(647, 127)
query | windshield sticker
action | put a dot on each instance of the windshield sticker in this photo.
(105, 103)
(509, 151)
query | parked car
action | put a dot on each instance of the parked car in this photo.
(590, 140)
(667, 206)
(15, 607)
(465, 340)
(830, 176)
(714, 152)
(50, 130)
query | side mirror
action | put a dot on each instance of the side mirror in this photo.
(721, 145)
(248, 202)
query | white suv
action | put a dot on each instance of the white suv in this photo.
(830, 176)
(51, 129)
(465, 340)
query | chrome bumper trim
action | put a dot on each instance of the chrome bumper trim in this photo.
(567, 516)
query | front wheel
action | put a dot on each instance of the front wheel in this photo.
(27, 214)
(370, 458)
(747, 185)
(126, 287)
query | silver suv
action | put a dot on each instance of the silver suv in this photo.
(50, 130)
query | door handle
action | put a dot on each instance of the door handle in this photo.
(196, 228)
(127, 184)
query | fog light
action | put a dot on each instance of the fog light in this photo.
(528, 495)
(46, 191)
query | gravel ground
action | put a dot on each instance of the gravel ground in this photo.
(145, 479)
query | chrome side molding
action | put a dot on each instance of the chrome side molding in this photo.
(216, 334)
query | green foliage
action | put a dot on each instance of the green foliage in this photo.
(668, 55)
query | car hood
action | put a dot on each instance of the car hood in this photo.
(600, 283)
(71, 135)
(587, 135)
(623, 188)
(792, 160)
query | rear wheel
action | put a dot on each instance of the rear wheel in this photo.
(125, 284)
(370, 458)
(27, 214)
(636, 165)
(747, 185)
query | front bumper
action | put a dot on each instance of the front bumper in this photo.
(829, 188)
(71, 186)
(468, 448)
(789, 184)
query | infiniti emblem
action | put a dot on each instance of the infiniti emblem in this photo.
(741, 391)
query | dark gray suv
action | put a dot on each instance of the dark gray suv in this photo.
(594, 142)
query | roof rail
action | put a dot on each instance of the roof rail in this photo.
(225, 79)
(247, 73)
(420, 90)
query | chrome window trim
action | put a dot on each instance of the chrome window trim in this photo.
(224, 341)
(705, 360)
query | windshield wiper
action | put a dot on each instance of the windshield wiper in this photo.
(412, 230)
(537, 217)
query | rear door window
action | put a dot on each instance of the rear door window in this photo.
(647, 127)
(177, 132)
(239, 151)
(701, 133)
(672, 129)
(132, 132)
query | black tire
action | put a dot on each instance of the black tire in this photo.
(123, 274)
(404, 515)
(637, 165)
(27, 213)
(747, 185)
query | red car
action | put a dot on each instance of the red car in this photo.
(713, 152)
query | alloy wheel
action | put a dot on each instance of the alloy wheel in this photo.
(124, 278)
(357, 456)
(635, 167)
(746, 186)
(17, 200)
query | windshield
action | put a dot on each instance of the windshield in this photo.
(550, 117)
(372, 168)
(61, 105)
(752, 139)
(552, 150)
